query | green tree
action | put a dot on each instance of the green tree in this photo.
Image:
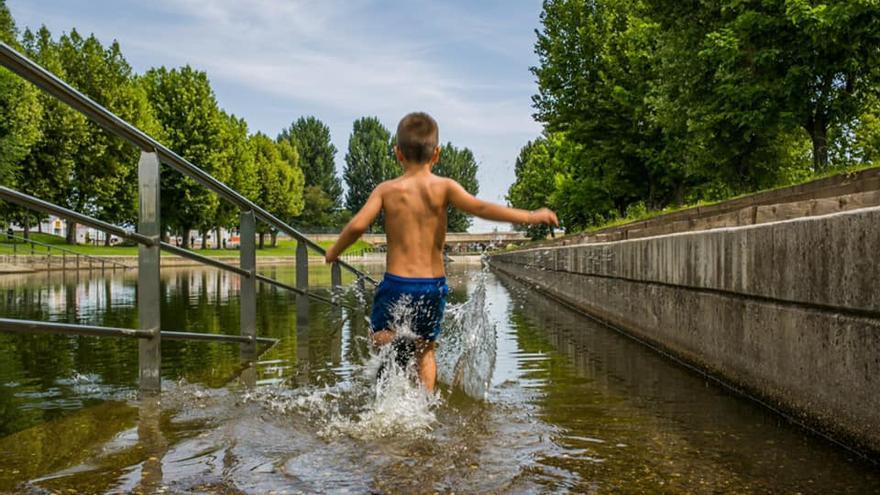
(758, 72)
(104, 179)
(595, 78)
(185, 106)
(293, 179)
(20, 110)
(48, 168)
(460, 165)
(535, 182)
(311, 138)
(368, 162)
(237, 152)
(280, 182)
(866, 134)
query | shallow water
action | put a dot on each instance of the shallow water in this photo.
(536, 398)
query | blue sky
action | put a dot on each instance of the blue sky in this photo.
(270, 61)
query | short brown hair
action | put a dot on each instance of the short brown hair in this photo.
(417, 137)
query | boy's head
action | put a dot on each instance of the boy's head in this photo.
(418, 139)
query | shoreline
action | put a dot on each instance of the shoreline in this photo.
(33, 264)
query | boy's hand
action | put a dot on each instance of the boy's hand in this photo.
(331, 256)
(543, 216)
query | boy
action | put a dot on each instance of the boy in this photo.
(415, 225)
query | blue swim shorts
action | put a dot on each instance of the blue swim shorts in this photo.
(413, 303)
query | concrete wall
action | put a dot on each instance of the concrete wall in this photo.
(789, 311)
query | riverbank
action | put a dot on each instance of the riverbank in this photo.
(29, 264)
(284, 247)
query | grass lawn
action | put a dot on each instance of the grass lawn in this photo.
(285, 247)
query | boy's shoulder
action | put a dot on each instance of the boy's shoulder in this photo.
(402, 182)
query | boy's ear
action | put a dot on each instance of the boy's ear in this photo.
(436, 156)
(398, 154)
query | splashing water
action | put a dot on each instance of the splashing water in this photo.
(466, 356)
(372, 405)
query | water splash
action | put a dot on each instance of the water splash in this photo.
(372, 405)
(366, 408)
(466, 355)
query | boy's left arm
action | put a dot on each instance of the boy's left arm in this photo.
(357, 226)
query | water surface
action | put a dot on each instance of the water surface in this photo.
(541, 400)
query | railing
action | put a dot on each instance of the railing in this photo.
(32, 244)
(360, 253)
(147, 235)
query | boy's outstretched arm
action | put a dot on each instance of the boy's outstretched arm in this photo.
(356, 226)
(465, 201)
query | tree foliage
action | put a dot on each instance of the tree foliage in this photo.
(311, 138)
(652, 103)
(191, 122)
(460, 165)
(278, 174)
(20, 110)
(368, 162)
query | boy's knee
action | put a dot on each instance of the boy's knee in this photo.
(424, 346)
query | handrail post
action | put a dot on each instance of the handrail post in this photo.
(302, 265)
(149, 350)
(248, 296)
(335, 276)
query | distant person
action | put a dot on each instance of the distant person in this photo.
(415, 207)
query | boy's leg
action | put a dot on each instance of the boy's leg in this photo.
(427, 363)
(382, 337)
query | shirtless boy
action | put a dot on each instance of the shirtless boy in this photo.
(415, 225)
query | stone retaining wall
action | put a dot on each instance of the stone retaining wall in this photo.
(788, 310)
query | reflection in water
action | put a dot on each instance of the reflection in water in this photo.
(567, 405)
(153, 444)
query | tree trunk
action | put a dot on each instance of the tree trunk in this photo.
(71, 232)
(39, 226)
(205, 239)
(217, 237)
(818, 131)
(185, 236)
(274, 235)
(27, 226)
(262, 235)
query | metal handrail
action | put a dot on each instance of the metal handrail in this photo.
(31, 326)
(148, 235)
(51, 84)
(29, 201)
(65, 250)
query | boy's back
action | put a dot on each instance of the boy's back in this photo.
(415, 223)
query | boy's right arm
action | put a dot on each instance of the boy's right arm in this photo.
(357, 226)
(465, 201)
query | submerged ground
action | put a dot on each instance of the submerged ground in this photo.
(537, 399)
